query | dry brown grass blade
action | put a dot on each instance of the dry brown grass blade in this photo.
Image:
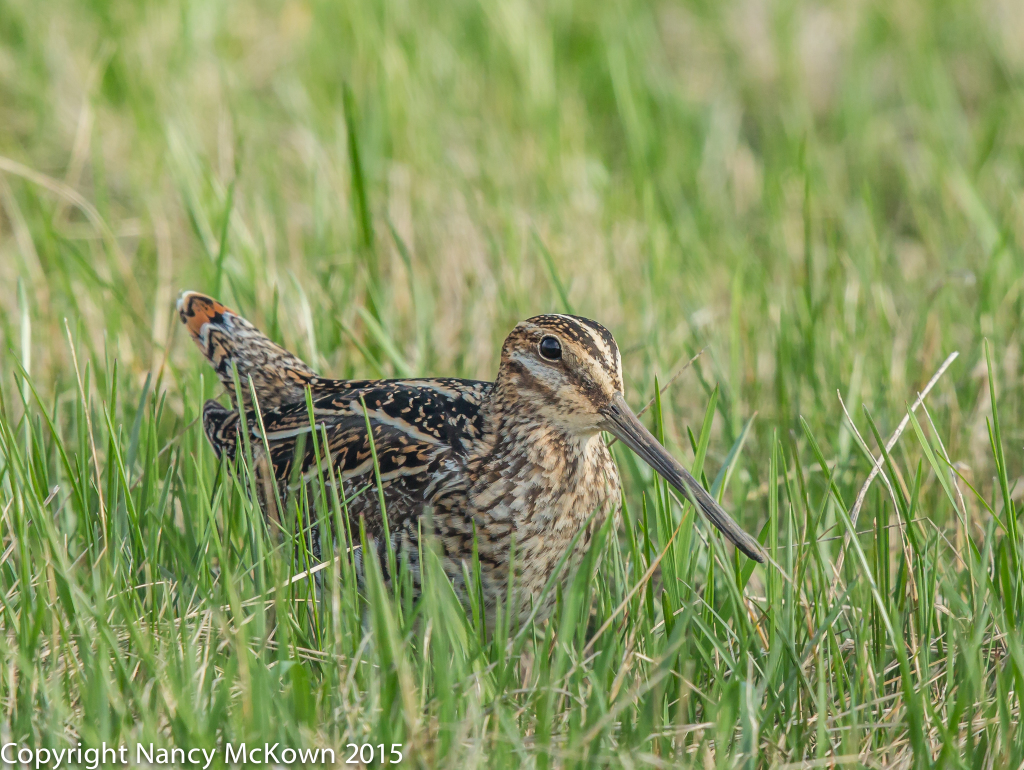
(880, 460)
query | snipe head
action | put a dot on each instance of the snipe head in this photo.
(568, 372)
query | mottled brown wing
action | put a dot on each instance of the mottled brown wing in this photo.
(421, 431)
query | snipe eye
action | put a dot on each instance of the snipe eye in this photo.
(551, 348)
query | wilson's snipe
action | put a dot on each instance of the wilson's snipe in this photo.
(519, 459)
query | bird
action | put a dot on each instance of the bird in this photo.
(514, 468)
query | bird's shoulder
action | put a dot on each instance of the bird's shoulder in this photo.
(441, 410)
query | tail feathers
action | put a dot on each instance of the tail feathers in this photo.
(225, 338)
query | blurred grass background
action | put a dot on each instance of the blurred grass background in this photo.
(822, 196)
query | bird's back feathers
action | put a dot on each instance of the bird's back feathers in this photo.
(419, 426)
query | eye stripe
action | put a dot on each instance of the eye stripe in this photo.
(594, 337)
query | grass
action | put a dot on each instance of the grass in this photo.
(824, 198)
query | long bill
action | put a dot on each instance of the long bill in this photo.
(622, 423)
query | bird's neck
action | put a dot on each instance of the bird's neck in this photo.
(528, 451)
(520, 426)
